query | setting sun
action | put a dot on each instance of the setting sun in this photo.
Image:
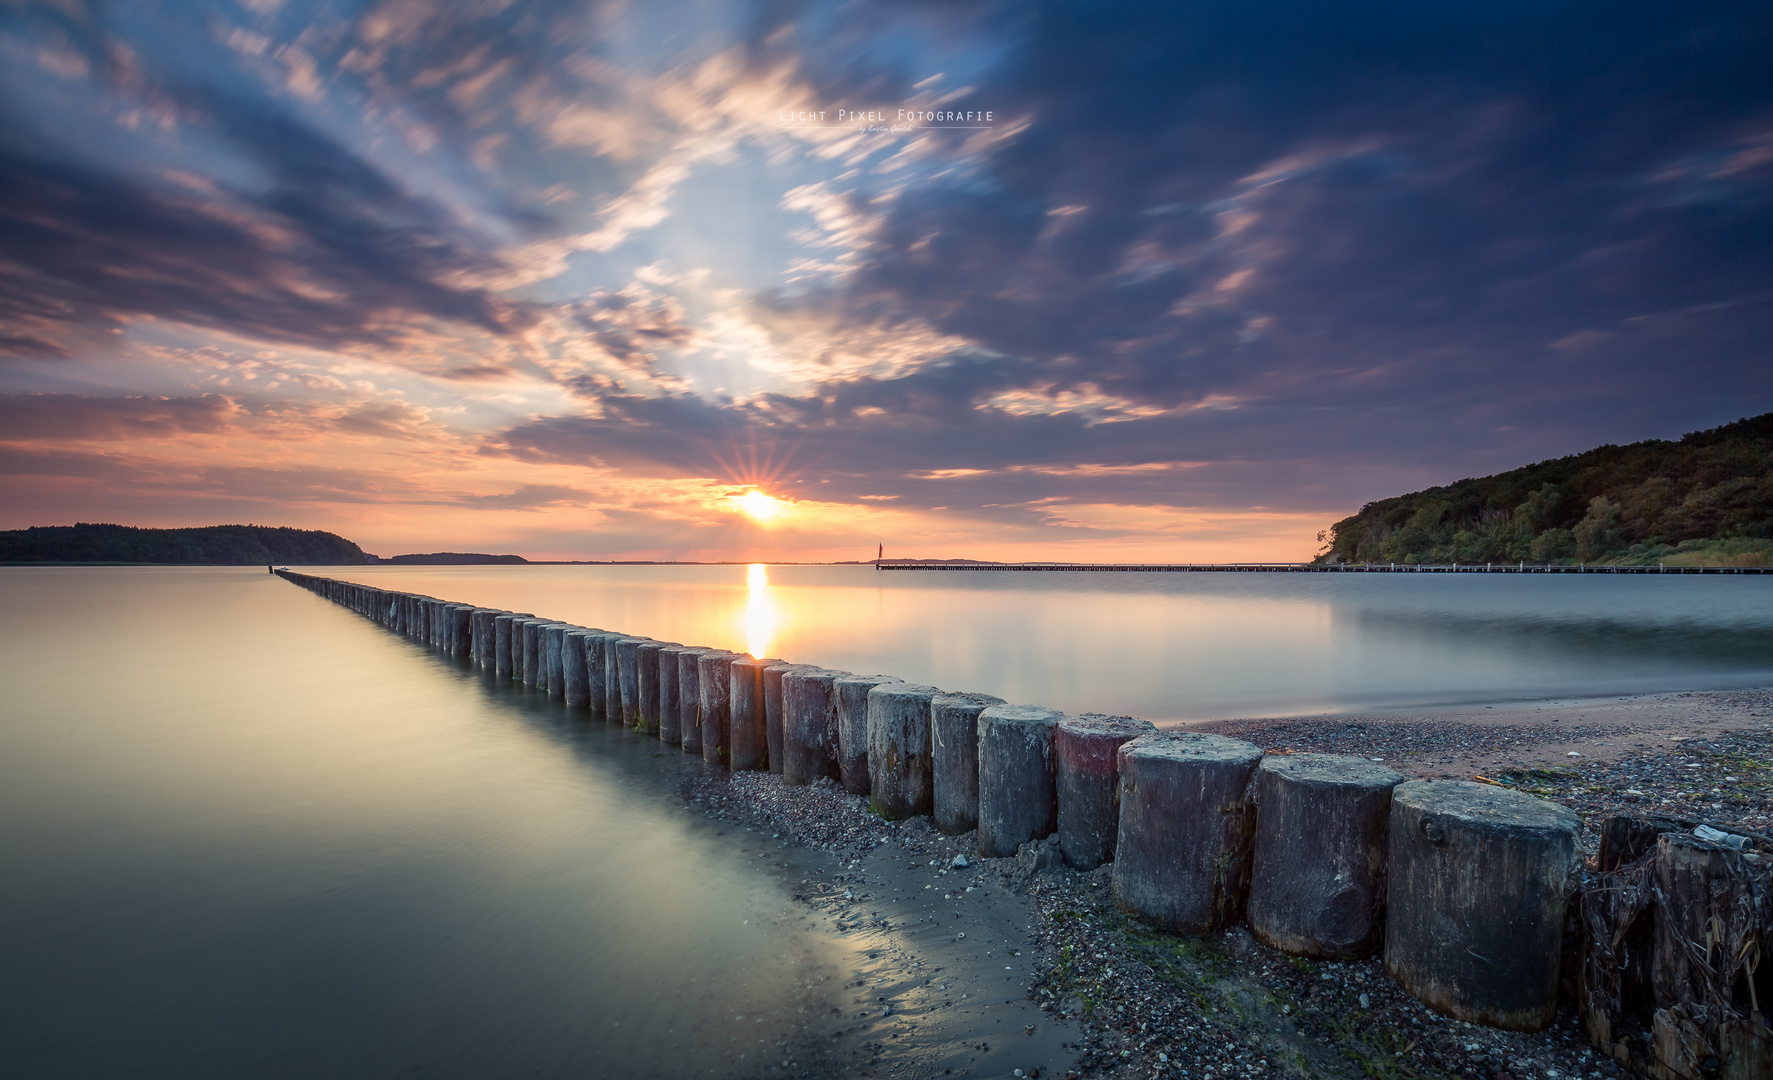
(758, 506)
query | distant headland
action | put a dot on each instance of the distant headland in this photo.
(1706, 499)
(212, 545)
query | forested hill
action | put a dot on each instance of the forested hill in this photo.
(228, 545)
(1705, 499)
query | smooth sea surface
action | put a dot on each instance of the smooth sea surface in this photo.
(245, 832)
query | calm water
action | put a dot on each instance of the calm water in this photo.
(1169, 647)
(245, 833)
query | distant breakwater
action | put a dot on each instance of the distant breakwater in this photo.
(1468, 889)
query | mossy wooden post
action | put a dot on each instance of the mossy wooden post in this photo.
(554, 658)
(809, 725)
(646, 682)
(899, 776)
(501, 647)
(1479, 878)
(773, 711)
(749, 743)
(1087, 751)
(1182, 852)
(1317, 881)
(715, 669)
(612, 678)
(575, 675)
(689, 698)
(852, 729)
(480, 646)
(628, 678)
(954, 759)
(671, 694)
(1017, 796)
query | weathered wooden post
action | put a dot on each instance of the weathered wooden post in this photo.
(809, 725)
(899, 775)
(773, 711)
(576, 688)
(456, 636)
(715, 671)
(689, 699)
(749, 741)
(628, 678)
(954, 759)
(646, 682)
(1087, 750)
(852, 728)
(612, 678)
(1182, 852)
(480, 648)
(671, 694)
(1317, 883)
(553, 647)
(1479, 878)
(531, 674)
(1017, 798)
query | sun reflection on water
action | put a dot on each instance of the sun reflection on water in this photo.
(762, 618)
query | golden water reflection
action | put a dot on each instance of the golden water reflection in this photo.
(762, 616)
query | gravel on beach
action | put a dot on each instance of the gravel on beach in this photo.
(1153, 1004)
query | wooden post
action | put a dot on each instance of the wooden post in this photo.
(646, 683)
(809, 725)
(954, 759)
(575, 688)
(1018, 800)
(1317, 887)
(773, 711)
(715, 670)
(852, 728)
(750, 737)
(670, 688)
(898, 758)
(1182, 852)
(1086, 749)
(1479, 880)
(689, 699)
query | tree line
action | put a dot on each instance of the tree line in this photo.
(226, 545)
(1706, 497)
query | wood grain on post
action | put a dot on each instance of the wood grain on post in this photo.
(1317, 883)
(575, 689)
(715, 668)
(852, 728)
(689, 699)
(1182, 852)
(899, 749)
(502, 645)
(670, 691)
(1479, 878)
(954, 759)
(646, 682)
(628, 678)
(809, 725)
(480, 646)
(554, 657)
(1086, 752)
(612, 678)
(1018, 799)
(750, 739)
(772, 711)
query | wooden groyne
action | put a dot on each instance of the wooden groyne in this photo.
(1466, 888)
(1337, 568)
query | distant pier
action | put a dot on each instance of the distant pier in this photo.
(1338, 568)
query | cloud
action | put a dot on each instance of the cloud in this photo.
(531, 497)
(74, 417)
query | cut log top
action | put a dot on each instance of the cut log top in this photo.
(746, 660)
(1192, 746)
(1030, 721)
(1091, 725)
(1330, 770)
(1482, 805)
(963, 698)
(867, 680)
(896, 690)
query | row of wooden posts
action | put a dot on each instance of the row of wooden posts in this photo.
(1464, 886)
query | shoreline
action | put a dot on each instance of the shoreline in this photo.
(1061, 983)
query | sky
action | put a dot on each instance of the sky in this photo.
(1168, 282)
